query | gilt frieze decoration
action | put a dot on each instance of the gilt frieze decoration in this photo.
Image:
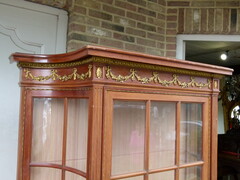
(155, 78)
(75, 75)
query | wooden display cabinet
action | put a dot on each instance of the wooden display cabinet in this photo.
(107, 114)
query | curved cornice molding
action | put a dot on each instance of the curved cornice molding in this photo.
(117, 54)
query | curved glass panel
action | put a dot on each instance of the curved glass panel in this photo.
(128, 136)
(168, 175)
(77, 131)
(135, 178)
(73, 176)
(38, 173)
(47, 132)
(191, 132)
(162, 135)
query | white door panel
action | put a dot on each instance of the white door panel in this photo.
(30, 28)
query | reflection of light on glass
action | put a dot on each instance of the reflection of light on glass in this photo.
(46, 115)
(235, 112)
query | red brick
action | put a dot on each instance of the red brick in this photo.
(138, 2)
(161, 16)
(100, 15)
(77, 27)
(137, 17)
(156, 22)
(171, 39)
(88, 3)
(226, 20)
(161, 30)
(125, 5)
(172, 25)
(171, 32)
(172, 11)
(146, 42)
(188, 21)
(155, 1)
(73, 45)
(136, 32)
(171, 46)
(146, 27)
(218, 20)
(113, 10)
(181, 20)
(83, 37)
(76, 18)
(171, 54)
(79, 9)
(147, 12)
(196, 20)
(210, 20)
(233, 26)
(227, 4)
(111, 43)
(156, 7)
(99, 32)
(171, 18)
(124, 21)
(154, 51)
(202, 4)
(155, 36)
(111, 26)
(123, 37)
(178, 3)
(134, 47)
(162, 2)
(106, 1)
(203, 27)
(160, 45)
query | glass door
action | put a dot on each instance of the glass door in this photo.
(155, 137)
(58, 145)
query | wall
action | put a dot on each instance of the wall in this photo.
(137, 25)
(201, 17)
(148, 26)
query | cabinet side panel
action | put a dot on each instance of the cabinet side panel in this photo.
(214, 133)
(95, 134)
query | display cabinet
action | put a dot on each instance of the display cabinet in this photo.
(105, 114)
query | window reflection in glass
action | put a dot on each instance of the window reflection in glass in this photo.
(191, 132)
(162, 134)
(128, 136)
(47, 133)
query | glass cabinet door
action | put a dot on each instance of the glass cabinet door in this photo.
(156, 137)
(59, 139)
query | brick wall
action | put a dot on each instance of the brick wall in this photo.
(148, 26)
(200, 17)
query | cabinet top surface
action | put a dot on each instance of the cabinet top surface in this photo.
(98, 51)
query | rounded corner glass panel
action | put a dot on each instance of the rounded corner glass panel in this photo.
(45, 173)
(47, 131)
(193, 173)
(77, 134)
(167, 175)
(162, 134)
(191, 131)
(128, 134)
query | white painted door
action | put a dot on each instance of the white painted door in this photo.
(30, 28)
